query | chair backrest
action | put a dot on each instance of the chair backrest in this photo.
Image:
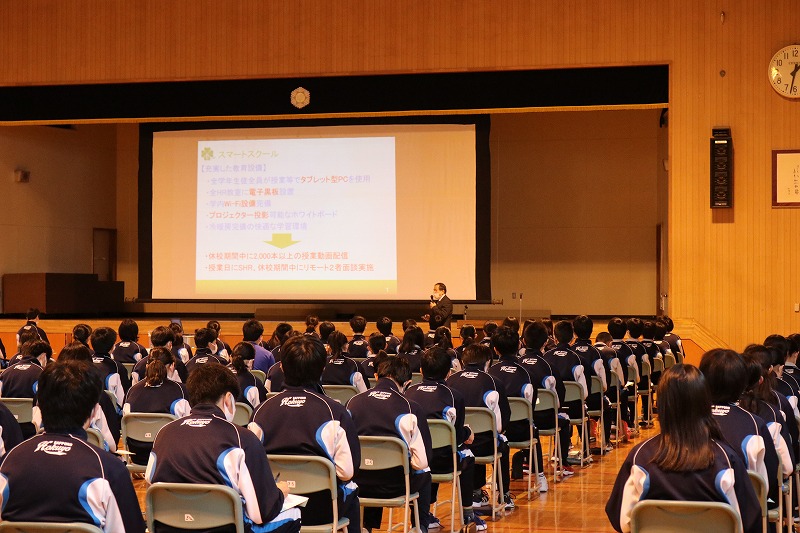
(21, 408)
(416, 377)
(632, 373)
(143, 426)
(340, 393)
(481, 419)
(659, 516)
(129, 368)
(545, 399)
(442, 434)
(48, 527)
(573, 391)
(260, 375)
(658, 364)
(242, 415)
(760, 486)
(93, 436)
(193, 506)
(646, 369)
(379, 453)
(669, 360)
(304, 473)
(113, 399)
(521, 409)
(597, 384)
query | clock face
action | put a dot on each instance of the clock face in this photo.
(784, 71)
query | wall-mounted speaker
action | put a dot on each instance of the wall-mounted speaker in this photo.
(721, 168)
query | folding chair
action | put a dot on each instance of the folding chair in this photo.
(340, 393)
(648, 392)
(760, 486)
(93, 436)
(669, 360)
(574, 392)
(416, 377)
(481, 419)
(617, 405)
(260, 375)
(48, 527)
(444, 434)
(142, 427)
(521, 409)
(660, 516)
(597, 386)
(21, 408)
(129, 368)
(241, 417)
(380, 453)
(193, 506)
(306, 474)
(632, 371)
(547, 399)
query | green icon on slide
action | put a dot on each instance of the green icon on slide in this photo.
(281, 240)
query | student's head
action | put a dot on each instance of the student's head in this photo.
(634, 327)
(442, 337)
(535, 336)
(75, 351)
(358, 324)
(205, 337)
(725, 373)
(413, 338)
(505, 341)
(28, 335)
(215, 325)
(467, 332)
(311, 323)
(648, 329)
(325, 329)
(216, 385)
(780, 348)
(177, 331)
(476, 354)
(549, 325)
(32, 314)
(159, 362)
(68, 393)
(384, 325)
(396, 368)
(128, 330)
(583, 327)
(336, 343)
(617, 328)
(408, 323)
(668, 323)
(439, 290)
(604, 337)
(252, 330)
(564, 332)
(280, 334)
(377, 342)
(103, 339)
(163, 336)
(511, 322)
(660, 330)
(37, 350)
(794, 347)
(303, 359)
(242, 357)
(81, 333)
(435, 320)
(435, 363)
(488, 328)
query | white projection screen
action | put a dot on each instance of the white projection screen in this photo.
(357, 212)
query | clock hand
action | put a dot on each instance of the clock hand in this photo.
(794, 73)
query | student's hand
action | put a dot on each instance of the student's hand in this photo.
(471, 437)
(284, 487)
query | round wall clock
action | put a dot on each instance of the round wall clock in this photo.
(784, 71)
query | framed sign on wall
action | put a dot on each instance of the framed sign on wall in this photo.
(786, 178)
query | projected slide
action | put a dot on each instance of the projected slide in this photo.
(296, 209)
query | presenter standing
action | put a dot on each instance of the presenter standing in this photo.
(440, 303)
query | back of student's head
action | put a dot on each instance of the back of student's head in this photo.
(242, 352)
(476, 354)
(435, 363)
(604, 337)
(563, 331)
(177, 331)
(303, 360)
(725, 373)
(280, 334)
(336, 342)
(648, 329)
(794, 343)
(435, 320)
(82, 332)
(75, 351)
(67, 395)
(325, 329)
(660, 330)
(358, 324)
(384, 325)
(780, 347)
(467, 332)
(158, 362)
(408, 323)
(583, 327)
(162, 335)
(203, 337)
(311, 323)
(207, 384)
(32, 313)
(36, 349)
(252, 330)
(668, 322)
(396, 368)
(511, 322)
(128, 330)
(535, 335)
(413, 338)
(617, 328)
(377, 342)
(505, 340)
(489, 327)
(215, 325)
(548, 324)
(634, 327)
(442, 337)
(103, 339)
(28, 335)
(758, 360)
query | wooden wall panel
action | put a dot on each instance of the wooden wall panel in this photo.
(732, 272)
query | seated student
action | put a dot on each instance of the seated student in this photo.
(279, 336)
(180, 348)
(156, 393)
(21, 380)
(435, 321)
(81, 333)
(358, 346)
(340, 369)
(325, 329)
(253, 332)
(409, 323)
(790, 370)
(384, 325)
(467, 334)
(482, 390)
(635, 326)
(72, 481)
(251, 390)
(384, 411)
(673, 340)
(748, 435)
(617, 328)
(615, 366)
(779, 345)
(688, 461)
(223, 349)
(517, 384)
(128, 349)
(543, 377)
(489, 328)
(652, 347)
(377, 346)
(25, 337)
(115, 376)
(302, 421)
(311, 325)
(440, 402)
(225, 454)
(444, 339)
(205, 339)
(161, 337)
(511, 322)
(551, 340)
(32, 317)
(411, 347)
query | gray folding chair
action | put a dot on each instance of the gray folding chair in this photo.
(632, 374)
(260, 375)
(48, 527)
(648, 392)
(21, 408)
(193, 506)
(597, 386)
(669, 360)
(444, 434)
(482, 419)
(340, 393)
(241, 417)
(521, 409)
(546, 400)
(142, 427)
(660, 516)
(573, 391)
(93, 436)
(760, 486)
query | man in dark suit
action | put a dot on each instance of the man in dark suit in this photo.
(441, 304)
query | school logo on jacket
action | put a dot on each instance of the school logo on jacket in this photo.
(52, 447)
(196, 422)
(293, 401)
(380, 394)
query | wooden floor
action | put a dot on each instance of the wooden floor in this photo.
(577, 504)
